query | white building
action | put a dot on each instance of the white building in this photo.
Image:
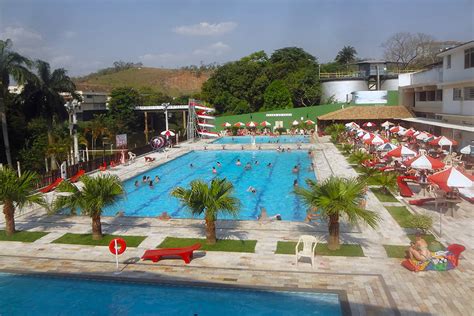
(443, 96)
(92, 103)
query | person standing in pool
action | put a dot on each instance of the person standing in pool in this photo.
(137, 184)
(157, 179)
(144, 179)
(219, 164)
(150, 184)
(248, 166)
(214, 171)
(238, 163)
(295, 183)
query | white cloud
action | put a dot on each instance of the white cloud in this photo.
(215, 49)
(69, 34)
(20, 34)
(205, 29)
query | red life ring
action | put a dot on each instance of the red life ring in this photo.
(121, 246)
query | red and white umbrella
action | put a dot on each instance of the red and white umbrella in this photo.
(251, 124)
(397, 129)
(423, 136)
(239, 124)
(309, 122)
(443, 141)
(424, 162)
(409, 133)
(401, 151)
(468, 150)
(295, 122)
(403, 132)
(226, 124)
(368, 136)
(376, 140)
(361, 133)
(369, 124)
(386, 147)
(168, 133)
(451, 178)
(265, 124)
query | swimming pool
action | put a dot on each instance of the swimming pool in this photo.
(283, 139)
(273, 184)
(50, 295)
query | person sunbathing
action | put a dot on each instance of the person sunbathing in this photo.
(264, 216)
(418, 249)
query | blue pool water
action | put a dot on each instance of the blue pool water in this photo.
(274, 185)
(283, 139)
(42, 295)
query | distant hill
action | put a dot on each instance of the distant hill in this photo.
(174, 82)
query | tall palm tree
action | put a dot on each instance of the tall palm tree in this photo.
(16, 66)
(96, 193)
(346, 55)
(97, 127)
(337, 197)
(209, 200)
(16, 192)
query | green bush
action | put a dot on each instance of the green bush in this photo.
(280, 130)
(421, 222)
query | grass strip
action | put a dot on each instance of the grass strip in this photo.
(24, 236)
(401, 215)
(383, 196)
(228, 245)
(347, 250)
(86, 239)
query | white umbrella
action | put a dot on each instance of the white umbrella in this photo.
(352, 125)
(227, 124)
(387, 124)
(367, 136)
(265, 124)
(468, 150)
(422, 136)
(168, 133)
(295, 122)
(251, 124)
(424, 162)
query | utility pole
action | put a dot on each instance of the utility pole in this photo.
(72, 107)
(166, 105)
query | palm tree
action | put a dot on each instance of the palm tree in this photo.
(16, 66)
(367, 172)
(387, 180)
(358, 157)
(346, 55)
(337, 197)
(209, 200)
(97, 127)
(96, 193)
(336, 131)
(16, 192)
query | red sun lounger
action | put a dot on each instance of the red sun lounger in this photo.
(186, 253)
(420, 202)
(76, 177)
(52, 186)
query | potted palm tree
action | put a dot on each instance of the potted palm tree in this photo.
(16, 192)
(337, 197)
(210, 200)
(96, 193)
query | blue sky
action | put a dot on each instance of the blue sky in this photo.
(84, 35)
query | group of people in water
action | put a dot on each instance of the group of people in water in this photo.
(146, 180)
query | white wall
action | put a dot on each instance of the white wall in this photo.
(428, 77)
(461, 107)
(457, 71)
(341, 88)
(390, 84)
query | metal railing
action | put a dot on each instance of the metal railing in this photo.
(361, 74)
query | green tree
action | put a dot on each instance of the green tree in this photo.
(16, 192)
(367, 172)
(121, 107)
(335, 198)
(277, 96)
(210, 200)
(358, 157)
(387, 180)
(290, 59)
(346, 55)
(12, 65)
(336, 131)
(95, 194)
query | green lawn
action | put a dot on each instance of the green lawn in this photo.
(288, 248)
(395, 251)
(86, 239)
(221, 245)
(24, 236)
(382, 196)
(401, 215)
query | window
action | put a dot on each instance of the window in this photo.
(469, 58)
(430, 95)
(439, 95)
(448, 61)
(88, 96)
(457, 94)
(422, 96)
(469, 93)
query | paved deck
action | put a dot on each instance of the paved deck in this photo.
(375, 284)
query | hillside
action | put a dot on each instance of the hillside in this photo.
(174, 82)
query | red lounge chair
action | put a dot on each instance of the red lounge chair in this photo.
(403, 187)
(186, 253)
(456, 249)
(52, 186)
(420, 202)
(76, 177)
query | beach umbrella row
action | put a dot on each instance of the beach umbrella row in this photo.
(264, 123)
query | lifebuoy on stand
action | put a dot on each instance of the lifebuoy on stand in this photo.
(117, 246)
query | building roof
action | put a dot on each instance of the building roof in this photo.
(439, 123)
(377, 112)
(460, 46)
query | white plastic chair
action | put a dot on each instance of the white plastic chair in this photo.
(131, 157)
(309, 248)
